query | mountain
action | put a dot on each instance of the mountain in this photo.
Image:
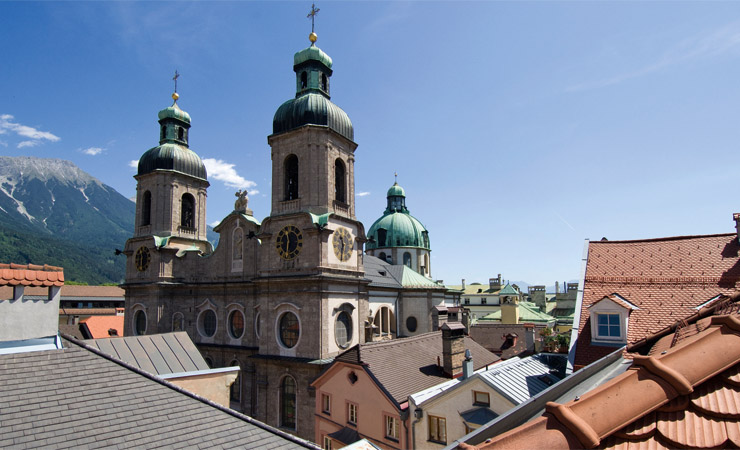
(52, 212)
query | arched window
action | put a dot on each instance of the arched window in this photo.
(340, 181)
(187, 211)
(324, 82)
(381, 256)
(287, 402)
(407, 259)
(146, 209)
(163, 133)
(384, 323)
(304, 80)
(291, 177)
(181, 133)
(140, 323)
(236, 387)
(382, 234)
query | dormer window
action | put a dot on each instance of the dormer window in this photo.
(609, 319)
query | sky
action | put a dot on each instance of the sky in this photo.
(517, 129)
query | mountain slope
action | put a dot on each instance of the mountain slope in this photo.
(52, 212)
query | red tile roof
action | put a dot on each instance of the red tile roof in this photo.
(665, 400)
(665, 278)
(99, 326)
(31, 275)
(70, 290)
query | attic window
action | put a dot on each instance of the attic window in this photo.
(352, 377)
(382, 273)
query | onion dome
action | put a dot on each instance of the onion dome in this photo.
(397, 228)
(173, 152)
(312, 104)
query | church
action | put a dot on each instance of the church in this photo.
(280, 297)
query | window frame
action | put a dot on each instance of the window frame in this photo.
(282, 405)
(352, 413)
(441, 424)
(229, 321)
(202, 323)
(389, 422)
(477, 402)
(326, 403)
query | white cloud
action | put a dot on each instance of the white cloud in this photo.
(34, 136)
(92, 151)
(224, 172)
(708, 45)
(363, 194)
(28, 144)
(3, 143)
(134, 163)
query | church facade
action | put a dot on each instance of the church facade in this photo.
(278, 297)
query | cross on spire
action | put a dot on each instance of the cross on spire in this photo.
(177, 75)
(395, 174)
(312, 14)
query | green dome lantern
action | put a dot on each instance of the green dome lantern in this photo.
(173, 152)
(312, 104)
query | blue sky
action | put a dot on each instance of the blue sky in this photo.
(518, 129)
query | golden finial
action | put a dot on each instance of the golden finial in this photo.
(175, 96)
(312, 15)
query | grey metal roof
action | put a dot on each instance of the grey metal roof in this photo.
(478, 416)
(158, 354)
(379, 273)
(76, 398)
(520, 379)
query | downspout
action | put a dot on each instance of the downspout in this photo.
(418, 413)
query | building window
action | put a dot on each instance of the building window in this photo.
(326, 404)
(289, 329)
(304, 80)
(236, 388)
(411, 323)
(343, 329)
(236, 324)
(207, 323)
(467, 301)
(381, 256)
(352, 413)
(481, 398)
(257, 325)
(287, 403)
(340, 181)
(187, 212)
(391, 428)
(327, 443)
(238, 248)
(609, 326)
(407, 259)
(181, 133)
(178, 322)
(209, 361)
(291, 177)
(382, 235)
(324, 83)
(146, 209)
(140, 323)
(438, 429)
(163, 133)
(384, 323)
(483, 301)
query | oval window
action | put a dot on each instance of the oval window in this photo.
(236, 324)
(289, 329)
(411, 323)
(343, 329)
(208, 323)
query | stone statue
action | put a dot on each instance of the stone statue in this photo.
(240, 204)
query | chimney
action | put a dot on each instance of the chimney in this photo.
(557, 287)
(463, 284)
(736, 217)
(453, 348)
(467, 365)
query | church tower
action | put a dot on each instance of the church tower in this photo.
(171, 185)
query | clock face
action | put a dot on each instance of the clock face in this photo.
(142, 259)
(343, 243)
(289, 242)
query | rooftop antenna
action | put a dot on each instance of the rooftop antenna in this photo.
(312, 15)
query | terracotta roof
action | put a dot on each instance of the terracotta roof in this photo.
(31, 275)
(493, 336)
(87, 311)
(667, 279)
(77, 398)
(407, 365)
(100, 326)
(665, 400)
(70, 290)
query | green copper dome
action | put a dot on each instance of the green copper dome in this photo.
(312, 109)
(312, 104)
(174, 112)
(396, 190)
(397, 228)
(172, 157)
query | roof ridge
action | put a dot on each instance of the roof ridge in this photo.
(185, 392)
(399, 340)
(668, 238)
